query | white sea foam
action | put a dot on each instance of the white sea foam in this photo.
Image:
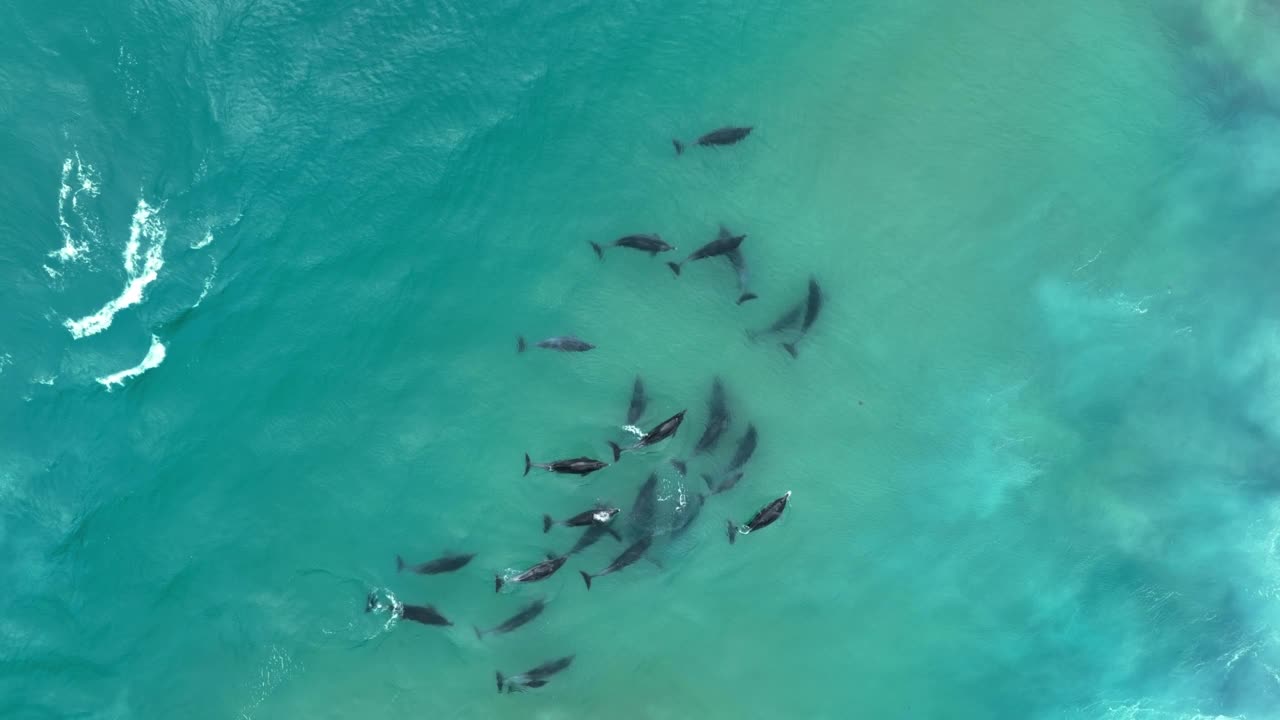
(70, 189)
(141, 273)
(204, 241)
(208, 283)
(155, 356)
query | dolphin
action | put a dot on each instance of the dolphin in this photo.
(664, 430)
(649, 243)
(541, 571)
(721, 136)
(638, 402)
(767, 515)
(645, 506)
(746, 448)
(534, 678)
(591, 537)
(572, 466)
(424, 614)
(720, 246)
(687, 514)
(527, 614)
(812, 307)
(717, 422)
(445, 564)
(595, 516)
(564, 343)
(725, 485)
(628, 556)
(791, 318)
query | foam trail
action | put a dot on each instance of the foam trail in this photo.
(71, 250)
(155, 356)
(205, 241)
(208, 283)
(147, 226)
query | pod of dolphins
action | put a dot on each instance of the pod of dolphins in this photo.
(793, 326)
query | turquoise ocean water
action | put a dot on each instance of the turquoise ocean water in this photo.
(263, 264)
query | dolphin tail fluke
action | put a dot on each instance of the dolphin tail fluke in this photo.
(520, 344)
(614, 533)
(711, 483)
(599, 250)
(675, 268)
(791, 349)
(527, 463)
(399, 563)
(747, 296)
(679, 146)
(547, 522)
(586, 578)
(501, 681)
(733, 532)
(681, 467)
(479, 636)
(617, 451)
(498, 582)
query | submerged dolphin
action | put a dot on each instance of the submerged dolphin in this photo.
(720, 246)
(813, 306)
(445, 564)
(728, 483)
(628, 557)
(746, 448)
(721, 136)
(645, 506)
(591, 537)
(717, 422)
(534, 678)
(739, 263)
(563, 343)
(765, 517)
(664, 430)
(638, 402)
(649, 243)
(527, 614)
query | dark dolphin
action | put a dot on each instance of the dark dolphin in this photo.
(537, 677)
(721, 136)
(424, 614)
(812, 307)
(646, 504)
(527, 614)
(595, 516)
(762, 519)
(572, 466)
(746, 448)
(591, 537)
(638, 402)
(565, 343)
(664, 430)
(541, 571)
(445, 564)
(725, 485)
(628, 556)
(649, 243)
(720, 246)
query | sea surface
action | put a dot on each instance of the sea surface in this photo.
(263, 264)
